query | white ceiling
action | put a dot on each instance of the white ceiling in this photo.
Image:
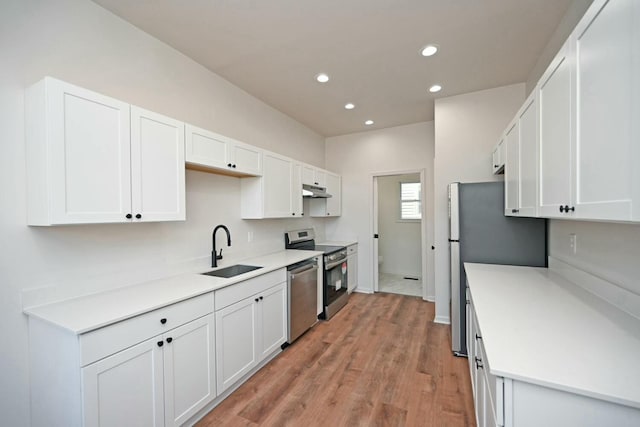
(273, 49)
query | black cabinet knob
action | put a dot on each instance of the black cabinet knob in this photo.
(256, 300)
(316, 183)
(261, 298)
(228, 164)
(169, 340)
(160, 343)
(128, 216)
(138, 216)
(293, 213)
(163, 320)
(234, 166)
(302, 214)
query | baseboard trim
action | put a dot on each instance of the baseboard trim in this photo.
(443, 320)
(616, 295)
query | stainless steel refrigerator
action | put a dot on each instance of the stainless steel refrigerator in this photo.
(480, 232)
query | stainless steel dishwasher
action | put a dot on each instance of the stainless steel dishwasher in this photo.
(302, 280)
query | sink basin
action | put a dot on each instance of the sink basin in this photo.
(232, 270)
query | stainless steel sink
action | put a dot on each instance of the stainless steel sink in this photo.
(232, 270)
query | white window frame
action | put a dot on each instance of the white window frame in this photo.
(402, 201)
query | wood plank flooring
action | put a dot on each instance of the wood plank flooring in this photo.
(380, 361)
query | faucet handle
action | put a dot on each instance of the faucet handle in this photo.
(219, 256)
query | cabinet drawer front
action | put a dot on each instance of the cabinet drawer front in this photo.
(102, 342)
(234, 293)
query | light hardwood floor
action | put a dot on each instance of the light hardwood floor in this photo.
(380, 361)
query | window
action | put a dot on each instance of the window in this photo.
(410, 202)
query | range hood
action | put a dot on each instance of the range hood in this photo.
(314, 192)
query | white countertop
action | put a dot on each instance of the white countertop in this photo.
(84, 314)
(539, 328)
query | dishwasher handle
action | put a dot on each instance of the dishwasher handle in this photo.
(303, 269)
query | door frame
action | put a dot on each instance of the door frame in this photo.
(373, 226)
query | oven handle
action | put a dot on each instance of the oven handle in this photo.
(335, 263)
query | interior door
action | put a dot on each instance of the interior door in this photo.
(375, 235)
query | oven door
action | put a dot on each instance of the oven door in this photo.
(335, 282)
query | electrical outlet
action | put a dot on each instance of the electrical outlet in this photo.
(573, 243)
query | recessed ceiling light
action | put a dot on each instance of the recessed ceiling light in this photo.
(322, 78)
(429, 50)
(435, 88)
(368, 122)
(349, 106)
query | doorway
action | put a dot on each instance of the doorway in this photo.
(399, 224)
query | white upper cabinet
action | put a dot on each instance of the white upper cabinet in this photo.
(331, 206)
(296, 190)
(556, 133)
(94, 159)
(528, 157)
(512, 169)
(157, 167)
(607, 47)
(78, 155)
(269, 196)
(209, 150)
(314, 176)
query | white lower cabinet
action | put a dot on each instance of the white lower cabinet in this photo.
(162, 381)
(251, 324)
(508, 402)
(352, 267)
(126, 388)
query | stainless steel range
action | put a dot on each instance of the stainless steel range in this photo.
(335, 295)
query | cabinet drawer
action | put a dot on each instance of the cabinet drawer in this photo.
(234, 293)
(352, 249)
(102, 342)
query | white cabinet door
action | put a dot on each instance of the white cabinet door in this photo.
(78, 155)
(207, 149)
(296, 190)
(125, 389)
(189, 369)
(605, 48)
(480, 396)
(236, 352)
(334, 203)
(272, 319)
(246, 159)
(314, 176)
(528, 177)
(512, 170)
(157, 167)
(556, 133)
(497, 158)
(277, 175)
(352, 272)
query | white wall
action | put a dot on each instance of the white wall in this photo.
(466, 129)
(360, 156)
(79, 42)
(399, 243)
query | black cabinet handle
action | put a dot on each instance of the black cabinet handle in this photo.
(138, 216)
(479, 364)
(163, 320)
(261, 298)
(128, 216)
(169, 340)
(515, 210)
(572, 208)
(160, 343)
(478, 337)
(316, 183)
(495, 166)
